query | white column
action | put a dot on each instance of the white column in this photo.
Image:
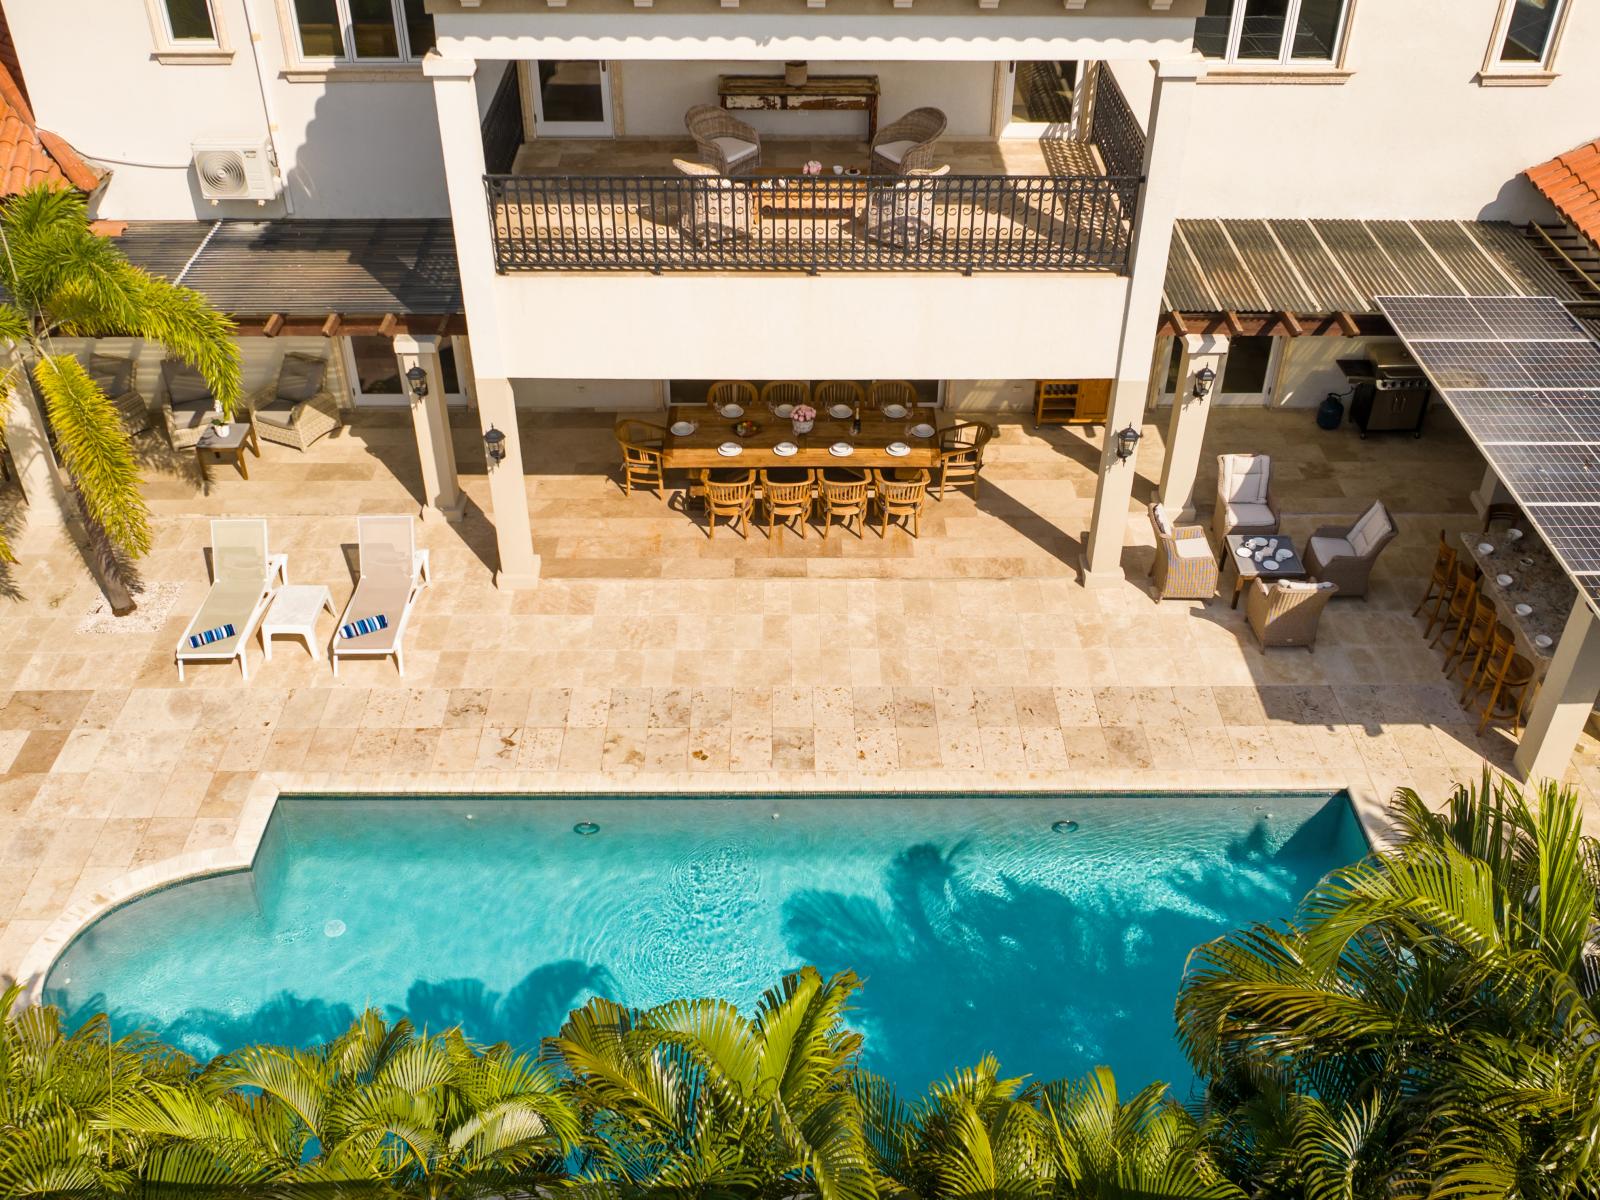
(430, 418)
(1152, 240)
(1565, 700)
(1489, 491)
(1186, 430)
(30, 451)
(456, 99)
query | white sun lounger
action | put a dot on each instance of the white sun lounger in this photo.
(242, 586)
(393, 571)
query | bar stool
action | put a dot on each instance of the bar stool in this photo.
(1458, 609)
(1472, 642)
(1440, 580)
(1512, 680)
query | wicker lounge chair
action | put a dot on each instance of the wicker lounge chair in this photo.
(1184, 567)
(901, 214)
(1244, 497)
(723, 140)
(1345, 554)
(118, 378)
(908, 143)
(1285, 612)
(715, 211)
(242, 586)
(296, 408)
(393, 573)
(187, 403)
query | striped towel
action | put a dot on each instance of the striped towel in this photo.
(196, 640)
(364, 625)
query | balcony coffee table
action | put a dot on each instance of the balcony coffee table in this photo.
(1246, 569)
(294, 613)
(230, 445)
(793, 195)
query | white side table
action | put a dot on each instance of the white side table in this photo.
(294, 612)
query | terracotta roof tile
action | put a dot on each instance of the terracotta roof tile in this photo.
(1571, 182)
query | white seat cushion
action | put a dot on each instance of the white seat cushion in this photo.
(1243, 478)
(1159, 515)
(1328, 548)
(735, 150)
(1192, 547)
(1369, 530)
(1250, 515)
(893, 151)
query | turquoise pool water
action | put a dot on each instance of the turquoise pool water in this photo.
(975, 925)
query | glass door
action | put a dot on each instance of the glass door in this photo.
(1040, 99)
(571, 98)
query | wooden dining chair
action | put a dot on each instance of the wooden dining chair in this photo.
(1458, 609)
(642, 444)
(732, 391)
(785, 391)
(901, 493)
(839, 391)
(787, 496)
(1511, 682)
(1472, 644)
(961, 455)
(1440, 580)
(729, 494)
(844, 499)
(885, 392)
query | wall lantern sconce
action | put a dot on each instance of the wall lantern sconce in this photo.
(1127, 440)
(417, 379)
(1203, 378)
(494, 444)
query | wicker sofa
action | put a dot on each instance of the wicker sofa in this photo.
(908, 144)
(296, 408)
(723, 140)
(1286, 612)
(1185, 568)
(1345, 554)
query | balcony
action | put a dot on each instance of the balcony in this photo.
(1049, 205)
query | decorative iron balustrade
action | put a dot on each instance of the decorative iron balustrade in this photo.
(1115, 130)
(963, 223)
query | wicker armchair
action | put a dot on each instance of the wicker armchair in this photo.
(118, 378)
(723, 140)
(642, 444)
(1244, 497)
(1345, 554)
(296, 408)
(1285, 612)
(715, 211)
(907, 144)
(1184, 567)
(901, 214)
(187, 405)
(961, 455)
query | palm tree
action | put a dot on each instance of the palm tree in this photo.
(64, 280)
(1428, 1024)
(692, 1098)
(380, 1110)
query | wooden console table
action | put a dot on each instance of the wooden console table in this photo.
(831, 93)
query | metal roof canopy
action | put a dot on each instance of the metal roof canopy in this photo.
(1523, 377)
(1311, 267)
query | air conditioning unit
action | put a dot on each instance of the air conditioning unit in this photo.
(236, 169)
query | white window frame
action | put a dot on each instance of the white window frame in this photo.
(397, 14)
(1496, 71)
(1230, 60)
(400, 399)
(195, 51)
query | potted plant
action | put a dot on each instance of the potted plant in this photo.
(219, 423)
(803, 416)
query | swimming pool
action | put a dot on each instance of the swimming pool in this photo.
(1049, 930)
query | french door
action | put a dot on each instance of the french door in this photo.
(1039, 99)
(571, 98)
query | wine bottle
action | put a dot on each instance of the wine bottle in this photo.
(855, 422)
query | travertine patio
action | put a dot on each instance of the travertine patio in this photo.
(653, 659)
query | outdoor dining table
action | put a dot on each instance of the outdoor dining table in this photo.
(697, 450)
(1537, 580)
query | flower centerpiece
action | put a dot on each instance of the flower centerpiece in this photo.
(812, 168)
(803, 416)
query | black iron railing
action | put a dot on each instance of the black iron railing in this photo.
(502, 130)
(1115, 130)
(961, 223)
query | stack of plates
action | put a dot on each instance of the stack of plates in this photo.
(732, 411)
(897, 449)
(683, 428)
(785, 449)
(924, 430)
(841, 449)
(730, 449)
(840, 411)
(894, 411)
(782, 411)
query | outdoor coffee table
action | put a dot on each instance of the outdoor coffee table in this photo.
(794, 195)
(294, 613)
(1246, 569)
(232, 445)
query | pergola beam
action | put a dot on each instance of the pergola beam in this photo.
(1237, 324)
(348, 325)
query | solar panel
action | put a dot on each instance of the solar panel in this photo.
(1572, 531)
(1544, 474)
(1579, 412)
(1558, 364)
(1518, 318)
(1591, 588)
(1470, 365)
(1430, 317)
(1525, 417)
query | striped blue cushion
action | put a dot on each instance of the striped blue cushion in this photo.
(363, 625)
(196, 640)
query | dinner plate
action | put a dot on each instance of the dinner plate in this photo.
(897, 449)
(840, 411)
(732, 411)
(841, 449)
(785, 449)
(922, 430)
(1504, 580)
(1244, 552)
(782, 411)
(683, 428)
(1523, 610)
(895, 411)
(1256, 543)
(730, 449)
